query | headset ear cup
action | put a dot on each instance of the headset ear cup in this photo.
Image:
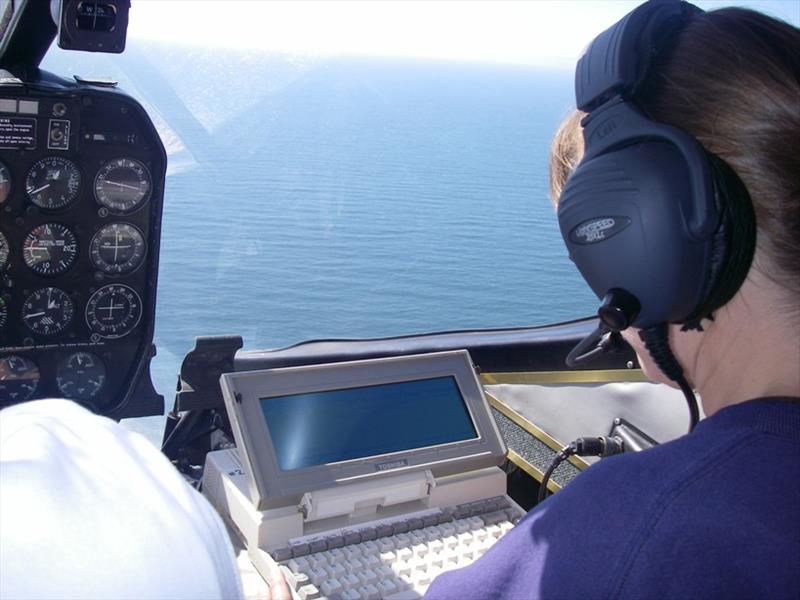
(732, 245)
(623, 217)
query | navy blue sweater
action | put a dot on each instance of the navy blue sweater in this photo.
(715, 513)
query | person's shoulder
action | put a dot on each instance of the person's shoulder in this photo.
(705, 514)
(633, 521)
(764, 432)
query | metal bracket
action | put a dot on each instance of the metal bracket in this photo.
(634, 438)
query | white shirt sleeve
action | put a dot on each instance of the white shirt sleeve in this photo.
(91, 510)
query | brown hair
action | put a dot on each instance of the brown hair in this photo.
(731, 78)
(566, 151)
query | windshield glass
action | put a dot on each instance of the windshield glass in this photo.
(354, 169)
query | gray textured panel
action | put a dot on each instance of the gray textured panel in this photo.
(534, 451)
(568, 411)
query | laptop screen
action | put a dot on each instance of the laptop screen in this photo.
(331, 426)
(314, 427)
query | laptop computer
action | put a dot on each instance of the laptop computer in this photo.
(383, 461)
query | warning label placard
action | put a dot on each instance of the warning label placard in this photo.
(17, 133)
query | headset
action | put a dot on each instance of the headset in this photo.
(662, 230)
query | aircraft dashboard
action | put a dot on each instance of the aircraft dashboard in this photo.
(81, 189)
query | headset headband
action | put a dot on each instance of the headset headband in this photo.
(640, 212)
(618, 59)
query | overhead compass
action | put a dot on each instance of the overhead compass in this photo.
(122, 185)
(53, 182)
(48, 311)
(3, 251)
(19, 378)
(80, 376)
(5, 182)
(50, 249)
(113, 311)
(117, 248)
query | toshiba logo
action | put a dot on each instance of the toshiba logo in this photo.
(391, 465)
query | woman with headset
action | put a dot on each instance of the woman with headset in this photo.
(678, 193)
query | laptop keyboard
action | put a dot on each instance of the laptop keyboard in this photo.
(398, 559)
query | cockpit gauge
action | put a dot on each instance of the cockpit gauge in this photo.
(117, 249)
(19, 378)
(48, 311)
(3, 313)
(50, 249)
(113, 311)
(80, 376)
(122, 185)
(5, 183)
(53, 182)
(3, 251)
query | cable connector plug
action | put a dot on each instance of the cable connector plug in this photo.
(598, 446)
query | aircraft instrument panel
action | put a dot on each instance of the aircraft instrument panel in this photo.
(81, 189)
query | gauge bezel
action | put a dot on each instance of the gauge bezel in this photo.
(59, 271)
(113, 207)
(113, 271)
(73, 195)
(100, 330)
(5, 255)
(70, 311)
(9, 193)
(38, 379)
(64, 363)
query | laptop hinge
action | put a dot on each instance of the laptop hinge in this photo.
(365, 497)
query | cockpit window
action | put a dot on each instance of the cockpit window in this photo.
(344, 170)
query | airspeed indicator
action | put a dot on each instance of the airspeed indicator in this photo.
(113, 311)
(53, 182)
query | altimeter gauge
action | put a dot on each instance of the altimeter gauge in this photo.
(80, 376)
(122, 185)
(50, 249)
(113, 311)
(117, 248)
(19, 378)
(5, 183)
(3, 251)
(53, 182)
(48, 311)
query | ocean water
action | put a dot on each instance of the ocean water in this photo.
(348, 197)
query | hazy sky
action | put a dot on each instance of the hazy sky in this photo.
(532, 32)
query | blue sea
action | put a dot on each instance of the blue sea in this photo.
(350, 197)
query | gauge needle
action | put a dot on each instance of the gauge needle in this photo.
(32, 315)
(50, 302)
(37, 190)
(124, 185)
